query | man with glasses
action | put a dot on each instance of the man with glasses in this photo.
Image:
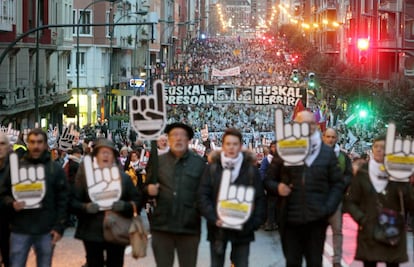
(175, 222)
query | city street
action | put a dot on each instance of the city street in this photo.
(265, 251)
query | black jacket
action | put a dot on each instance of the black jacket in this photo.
(90, 226)
(316, 190)
(176, 210)
(209, 188)
(52, 214)
(362, 201)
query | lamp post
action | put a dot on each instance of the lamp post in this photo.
(36, 92)
(78, 55)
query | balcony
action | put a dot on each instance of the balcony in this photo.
(389, 6)
(327, 5)
(390, 44)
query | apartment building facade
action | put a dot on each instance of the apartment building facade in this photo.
(33, 83)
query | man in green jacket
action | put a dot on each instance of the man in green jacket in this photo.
(175, 222)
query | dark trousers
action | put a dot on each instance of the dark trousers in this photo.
(95, 254)
(271, 209)
(5, 241)
(374, 264)
(239, 255)
(304, 240)
(164, 245)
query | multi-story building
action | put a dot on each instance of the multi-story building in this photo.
(33, 83)
(334, 27)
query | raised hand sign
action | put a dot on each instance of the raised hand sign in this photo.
(399, 155)
(66, 139)
(293, 141)
(104, 185)
(148, 114)
(28, 182)
(12, 134)
(235, 202)
(52, 136)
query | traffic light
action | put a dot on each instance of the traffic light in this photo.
(295, 76)
(363, 46)
(311, 80)
(363, 111)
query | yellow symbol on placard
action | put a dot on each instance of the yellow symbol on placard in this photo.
(28, 187)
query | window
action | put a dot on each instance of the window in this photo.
(107, 29)
(74, 21)
(82, 67)
(85, 18)
(409, 30)
(69, 65)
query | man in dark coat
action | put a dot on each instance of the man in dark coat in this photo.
(175, 221)
(307, 195)
(244, 174)
(41, 224)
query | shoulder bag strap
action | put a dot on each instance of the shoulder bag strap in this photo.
(401, 203)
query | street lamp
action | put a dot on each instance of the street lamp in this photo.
(78, 55)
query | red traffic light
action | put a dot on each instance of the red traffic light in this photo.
(363, 44)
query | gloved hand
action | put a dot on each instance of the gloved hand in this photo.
(92, 208)
(119, 206)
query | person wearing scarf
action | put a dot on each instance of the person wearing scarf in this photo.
(244, 173)
(308, 193)
(371, 188)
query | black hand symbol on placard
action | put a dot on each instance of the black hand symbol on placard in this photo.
(66, 140)
(28, 182)
(293, 141)
(399, 155)
(104, 184)
(148, 113)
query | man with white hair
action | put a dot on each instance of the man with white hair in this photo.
(308, 194)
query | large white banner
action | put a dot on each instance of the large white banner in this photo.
(227, 72)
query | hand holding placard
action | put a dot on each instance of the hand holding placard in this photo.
(235, 202)
(28, 182)
(104, 184)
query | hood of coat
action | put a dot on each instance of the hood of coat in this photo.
(249, 156)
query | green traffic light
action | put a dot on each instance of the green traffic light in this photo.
(363, 114)
(311, 84)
